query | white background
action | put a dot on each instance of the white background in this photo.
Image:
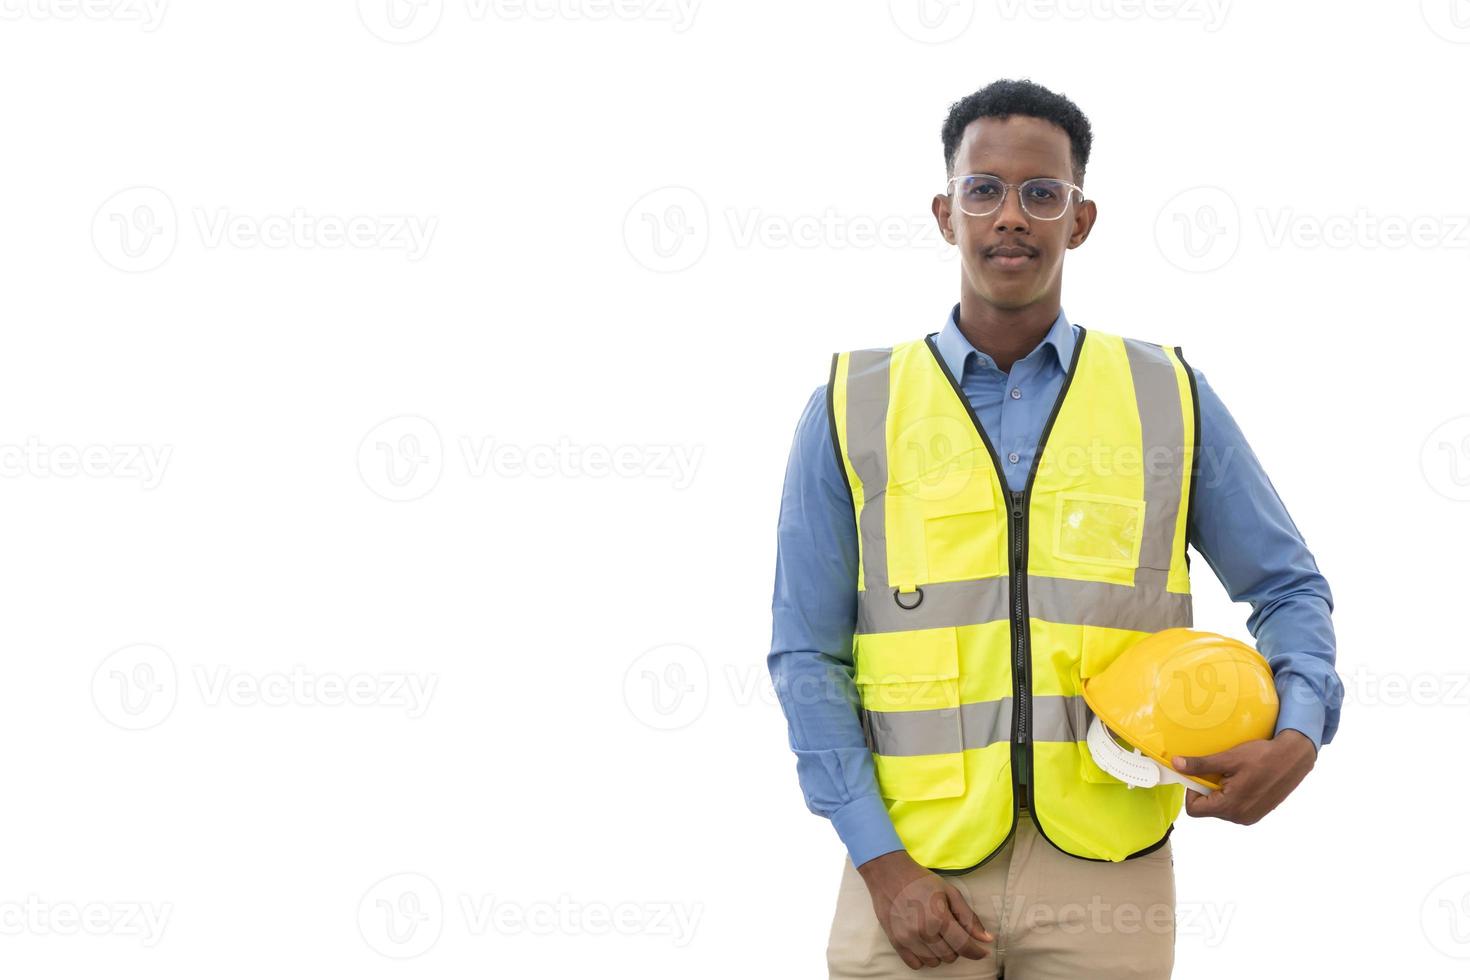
(643, 230)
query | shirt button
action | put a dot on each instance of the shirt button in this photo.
(1015, 392)
(1014, 457)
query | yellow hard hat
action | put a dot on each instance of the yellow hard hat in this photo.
(1177, 692)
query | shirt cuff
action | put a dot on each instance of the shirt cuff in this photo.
(1301, 710)
(866, 829)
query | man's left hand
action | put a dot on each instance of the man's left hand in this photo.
(1254, 776)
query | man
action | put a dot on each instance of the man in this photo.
(931, 624)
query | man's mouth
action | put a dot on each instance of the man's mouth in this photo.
(1009, 257)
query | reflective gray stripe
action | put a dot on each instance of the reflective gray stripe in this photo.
(1059, 718)
(934, 731)
(1162, 425)
(980, 600)
(937, 730)
(1147, 606)
(867, 450)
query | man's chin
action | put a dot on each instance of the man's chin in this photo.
(1008, 295)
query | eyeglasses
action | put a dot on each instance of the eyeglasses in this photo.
(1043, 198)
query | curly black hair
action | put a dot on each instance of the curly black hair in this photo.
(1018, 97)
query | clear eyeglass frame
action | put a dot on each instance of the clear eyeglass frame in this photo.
(951, 191)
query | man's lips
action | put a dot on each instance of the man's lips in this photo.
(1009, 256)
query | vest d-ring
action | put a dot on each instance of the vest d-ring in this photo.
(897, 597)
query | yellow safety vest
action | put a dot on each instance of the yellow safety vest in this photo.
(981, 611)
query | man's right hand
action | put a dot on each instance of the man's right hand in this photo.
(925, 917)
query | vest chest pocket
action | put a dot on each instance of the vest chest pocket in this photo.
(1098, 529)
(909, 684)
(964, 537)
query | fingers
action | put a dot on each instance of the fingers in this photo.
(911, 960)
(930, 922)
(943, 931)
(1200, 805)
(939, 931)
(1221, 763)
(958, 933)
(966, 917)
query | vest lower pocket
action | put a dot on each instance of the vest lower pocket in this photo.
(909, 685)
(921, 777)
(921, 668)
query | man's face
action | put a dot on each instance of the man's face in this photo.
(1014, 149)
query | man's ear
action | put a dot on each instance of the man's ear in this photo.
(1086, 217)
(942, 211)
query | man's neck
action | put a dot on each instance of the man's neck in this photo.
(1006, 335)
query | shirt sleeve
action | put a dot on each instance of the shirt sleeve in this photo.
(813, 614)
(1242, 528)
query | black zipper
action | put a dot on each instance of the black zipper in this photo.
(1020, 637)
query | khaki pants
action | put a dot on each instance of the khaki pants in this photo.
(1053, 916)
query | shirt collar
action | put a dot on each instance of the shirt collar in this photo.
(956, 349)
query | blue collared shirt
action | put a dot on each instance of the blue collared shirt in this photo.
(1238, 524)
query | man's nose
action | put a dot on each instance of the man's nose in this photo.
(1010, 216)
